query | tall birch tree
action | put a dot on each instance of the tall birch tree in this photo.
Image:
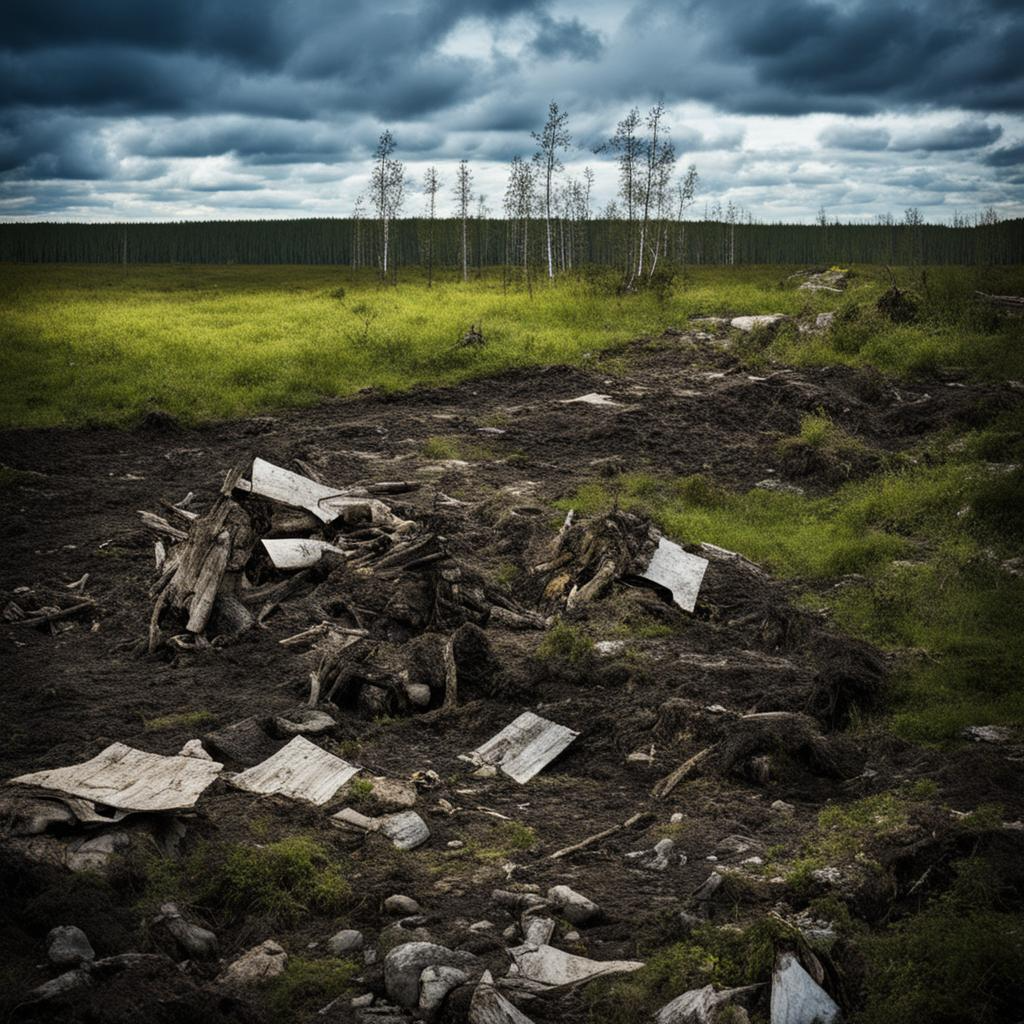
(463, 198)
(554, 136)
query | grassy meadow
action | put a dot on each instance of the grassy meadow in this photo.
(100, 344)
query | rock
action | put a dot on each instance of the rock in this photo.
(261, 963)
(779, 486)
(489, 1006)
(194, 748)
(485, 771)
(988, 733)
(348, 940)
(573, 906)
(68, 946)
(435, 984)
(827, 876)
(516, 901)
(609, 647)
(302, 722)
(364, 1000)
(781, 807)
(826, 281)
(93, 854)
(572, 936)
(733, 846)
(406, 829)
(195, 942)
(537, 930)
(418, 694)
(482, 926)
(404, 965)
(658, 858)
(399, 904)
(707, 889)
(753, 323)
(676, 818)
(797, 998)
(393, 792)
(821, 323)
(66, 982)
(549, 967)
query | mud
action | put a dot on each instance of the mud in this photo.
(678, 406)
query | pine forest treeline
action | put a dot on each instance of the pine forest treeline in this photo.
(494, 243)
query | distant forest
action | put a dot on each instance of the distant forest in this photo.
(491, 242)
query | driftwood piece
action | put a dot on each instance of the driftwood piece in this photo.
(218, 541)
(596, 838)
(160, 525)
(56, 616)
(664, 786)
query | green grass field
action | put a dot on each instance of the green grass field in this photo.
(104, 344)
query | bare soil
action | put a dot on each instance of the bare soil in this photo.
(681, 407)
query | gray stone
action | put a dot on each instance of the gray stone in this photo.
(573, 906)
(988, 733)
(68, 946)
(537, 930)
(399, 904)
(406, 829)
(66, 982)
(303, 722)
(404, 965)
(195, 942)
(396, 793)
(753, 323)
(261, 963)
(348, 940)
(657, 859)
(93, 854)
(435, 984)
(418, 694)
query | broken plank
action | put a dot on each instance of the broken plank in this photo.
(525, 746)
(300, 770)
(298, 552)
(131, 780)
(678, 571)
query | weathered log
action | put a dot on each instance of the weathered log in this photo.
(56, 616)
(665, 786)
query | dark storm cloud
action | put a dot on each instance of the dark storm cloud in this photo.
(1006, 156)
(856, 137)
(121, 90)
(965, 135)
(568, 37)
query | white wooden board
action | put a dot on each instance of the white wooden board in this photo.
(678, 571)
(524, 746)
(300, 770)
(298, 491)
(131, 780)
(298, 553)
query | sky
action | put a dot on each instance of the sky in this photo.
(211, 109)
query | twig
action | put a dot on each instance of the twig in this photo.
(61, 613)
(590, 840)
(665, 786)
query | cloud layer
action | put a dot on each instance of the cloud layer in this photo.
(179, 110)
